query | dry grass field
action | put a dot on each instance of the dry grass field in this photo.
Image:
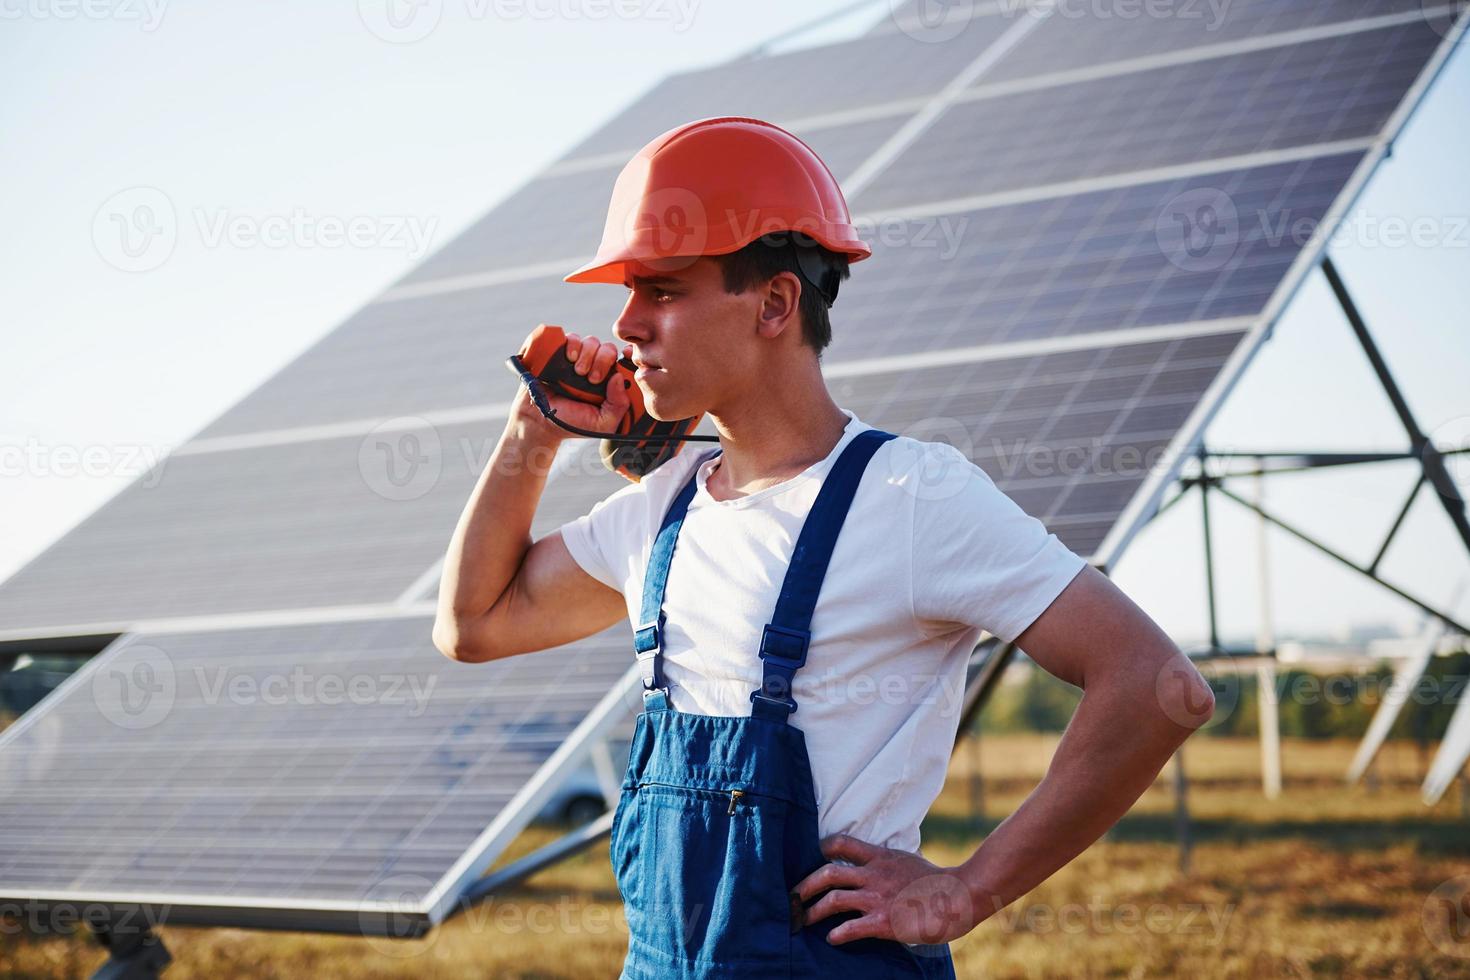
(1325, 881)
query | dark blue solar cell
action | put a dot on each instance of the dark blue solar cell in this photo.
(1082, 34)
(1318, 92)
(1105, 260)
(1070, 435)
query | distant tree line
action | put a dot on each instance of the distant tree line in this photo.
(1311, 704)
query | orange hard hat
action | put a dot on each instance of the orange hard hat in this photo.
(713, 186)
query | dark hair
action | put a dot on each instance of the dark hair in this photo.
(762, 259)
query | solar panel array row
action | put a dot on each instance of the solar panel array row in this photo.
(1061, 265)
(296, 762)
(1297, 95)
(293, 534)
(172, 767)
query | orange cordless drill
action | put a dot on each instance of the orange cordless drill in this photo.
(641, 444)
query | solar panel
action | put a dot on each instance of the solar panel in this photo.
(1295, 95)
(427, 354)
(1098, 261)
(1069, 435)
(992, 274)
(1072, 39)
(242, 772)
(297, 525)
(1038, 296)
(540, 222)
(1018, 272)
(434, 352)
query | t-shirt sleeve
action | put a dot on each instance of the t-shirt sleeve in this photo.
(604, 539)
(979, 560)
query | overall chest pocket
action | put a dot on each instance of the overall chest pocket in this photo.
(702, 874)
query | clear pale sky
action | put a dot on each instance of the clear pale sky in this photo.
(274, 109)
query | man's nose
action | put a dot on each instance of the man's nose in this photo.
(629, 327)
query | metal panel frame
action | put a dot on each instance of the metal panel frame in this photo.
(1454, 749)
(1405, 677)
(1145, 503)
(519, 811)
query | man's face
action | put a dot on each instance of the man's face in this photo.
(696, 342)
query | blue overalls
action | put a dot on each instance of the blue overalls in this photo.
(717, 820)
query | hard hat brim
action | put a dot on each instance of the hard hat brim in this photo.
(610, 268)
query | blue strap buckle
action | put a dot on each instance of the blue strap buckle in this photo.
(784, 647)
(782, 652)
(648, 644)
(648, 639)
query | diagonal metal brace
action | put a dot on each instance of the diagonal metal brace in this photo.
(1342, 559)
(1435, 471)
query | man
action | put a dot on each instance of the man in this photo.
(804, 600)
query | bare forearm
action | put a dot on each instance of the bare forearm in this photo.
(1118, 741)
(494, 531)
(1142, 698)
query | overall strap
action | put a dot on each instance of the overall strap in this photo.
(786, 638)
(648, 636)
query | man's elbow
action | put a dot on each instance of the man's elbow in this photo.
(1183, 694)
(454, 640)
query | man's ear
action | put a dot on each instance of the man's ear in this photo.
(780, 305)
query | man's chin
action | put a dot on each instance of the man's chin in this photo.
(665, 409)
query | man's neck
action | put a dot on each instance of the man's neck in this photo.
(767, 440)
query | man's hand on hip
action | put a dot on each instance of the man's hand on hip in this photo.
(901, 895)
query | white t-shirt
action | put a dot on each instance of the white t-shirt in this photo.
(932, 553)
